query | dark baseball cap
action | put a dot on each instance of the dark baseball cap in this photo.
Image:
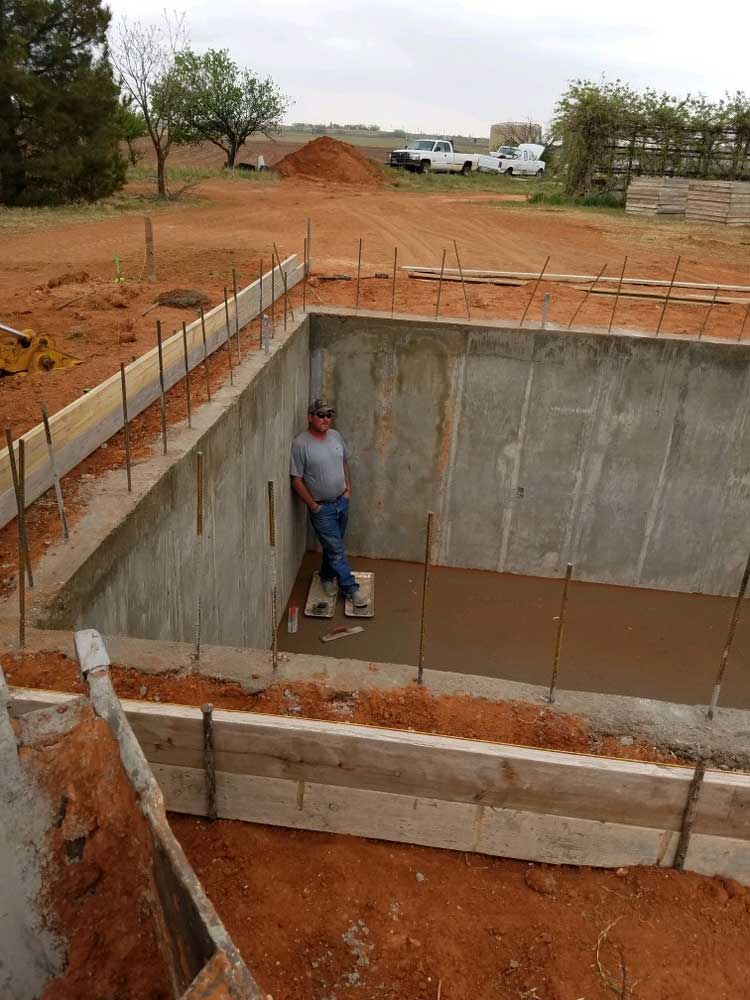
(321, 403)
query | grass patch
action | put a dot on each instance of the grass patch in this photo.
(596, 199)
(16, 220)
(405, 180)
(180, 175)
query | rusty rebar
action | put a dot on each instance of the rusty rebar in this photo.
(730, 639)
(205, 356)
(162, 398)
(617, 295)
(667, 296)
(359, 275)
(199, 544)
(187, 376)
(440, 284)
(744, 322)
(534, 290)
(690, 813)
(20, 495)
(393, 287)
(53, 470)
(463, 283)
(585, 299)
(560, 633)
(425, 594)
(23, 549)
(274, 574)
(209, 760)
(126, 425)
(236, 313)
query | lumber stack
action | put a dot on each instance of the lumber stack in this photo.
(657, 196)
(725, 202)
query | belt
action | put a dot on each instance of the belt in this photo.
(332, 500)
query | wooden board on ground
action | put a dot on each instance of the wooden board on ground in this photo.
(366, 583)
(318, 603)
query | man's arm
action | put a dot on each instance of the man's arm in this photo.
(298, 485)
(347, 477)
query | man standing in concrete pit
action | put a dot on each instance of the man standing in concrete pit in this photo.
(320, 476)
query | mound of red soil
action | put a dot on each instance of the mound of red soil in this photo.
(326, 159)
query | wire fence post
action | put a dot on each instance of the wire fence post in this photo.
(53, 470)
(730, 639)
(162, 398)
(425, 593)
(126, 425)
(560, 632)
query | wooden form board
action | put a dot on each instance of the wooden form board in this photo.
(440, 791)
(82, 426)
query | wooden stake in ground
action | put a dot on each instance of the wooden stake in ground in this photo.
(205, 356)
(55, 477)
(708, 313)
(359, 274)
(691, 811)
(393, 287)
(617, 295)
(149, 266)
(162, 399)
(560, 632)
(209, 759)
(534, 290)
(730, 639)
(667, 297)
(274, 609)
(440, 285)
(19, 501)
(23, 549)
(586, 296)
(425, 592)
(463, 283)
(187, 375)
(126, 425)
(199, 544)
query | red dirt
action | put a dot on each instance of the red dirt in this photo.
(318, 915)
(98, 884)
(331, 161)
(410, 708)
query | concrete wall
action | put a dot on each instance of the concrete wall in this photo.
(628, 456)
(143, 576)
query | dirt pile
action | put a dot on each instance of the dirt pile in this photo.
(326, 159)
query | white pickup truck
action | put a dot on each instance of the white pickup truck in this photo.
(518, 161)
(422, 155)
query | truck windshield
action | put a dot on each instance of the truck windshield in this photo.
(421, 144)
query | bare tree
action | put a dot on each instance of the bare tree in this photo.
(144, 57)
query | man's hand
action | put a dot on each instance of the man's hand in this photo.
(314, 507)
(347, 493)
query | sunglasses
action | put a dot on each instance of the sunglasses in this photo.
(324, 414)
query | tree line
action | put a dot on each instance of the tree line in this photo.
(74, 87)
(609, 131)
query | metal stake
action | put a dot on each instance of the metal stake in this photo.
(440, 284)
(187, 375)
(708, 313)
(20, 494)
(236, 312)
(742, 328)
(205, 356)
(463, 283)
(287, 303)
(272, 540)
(359, 274)
(23, 549)
(161, 387)
(617, 295)
(669, 292)
(586, 296)
(730, 640)
(199, 543)
(126, 425)
(55, 477)
(393, 288)
(229, 342)
(691, 811)
(425, 591)
(209, 759)
(536, 286)
(560, 631)
(226, 317)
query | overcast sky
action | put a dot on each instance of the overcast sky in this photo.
(460, 66)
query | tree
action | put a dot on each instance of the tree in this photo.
(144, 56)
(220, 103)
(58, 103)
(131, 126)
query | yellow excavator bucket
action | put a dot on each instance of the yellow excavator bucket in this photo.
(26, 351)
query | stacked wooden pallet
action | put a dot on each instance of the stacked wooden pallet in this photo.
(726, 202)
(657, 196)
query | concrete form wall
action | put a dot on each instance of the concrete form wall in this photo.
(628, 456)
(143, 578)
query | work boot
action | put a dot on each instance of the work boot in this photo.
(331, 587)
(359, 600)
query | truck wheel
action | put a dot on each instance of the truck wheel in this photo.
(466, 169)
(540, 172)
(509, 172)
(424, 167)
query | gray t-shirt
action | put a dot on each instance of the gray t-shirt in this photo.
(320, 463)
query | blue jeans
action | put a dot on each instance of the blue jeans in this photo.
(329, 524)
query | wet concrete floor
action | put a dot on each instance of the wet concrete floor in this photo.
(618, 640)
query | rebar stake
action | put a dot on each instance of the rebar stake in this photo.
(440, 284)
(260, 304)
(19, 502)
(691, 811)
(272, 541)
(730, 639)
(209, 759)
(23, 551)
(463, 283)
(229, 340)
(425, 592)
(534, 290)
(236, 313)
(187, 375)
(205, 356)
(744, 322)
(162, 399)
(359, 275)
(617, 295)
(199, 543)
(708, 313)
(560, 632)
(586, 296)
(55, 477)
(304, 277)
(667, 297)
(126, 425)
(287, 303)
(393, 287)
